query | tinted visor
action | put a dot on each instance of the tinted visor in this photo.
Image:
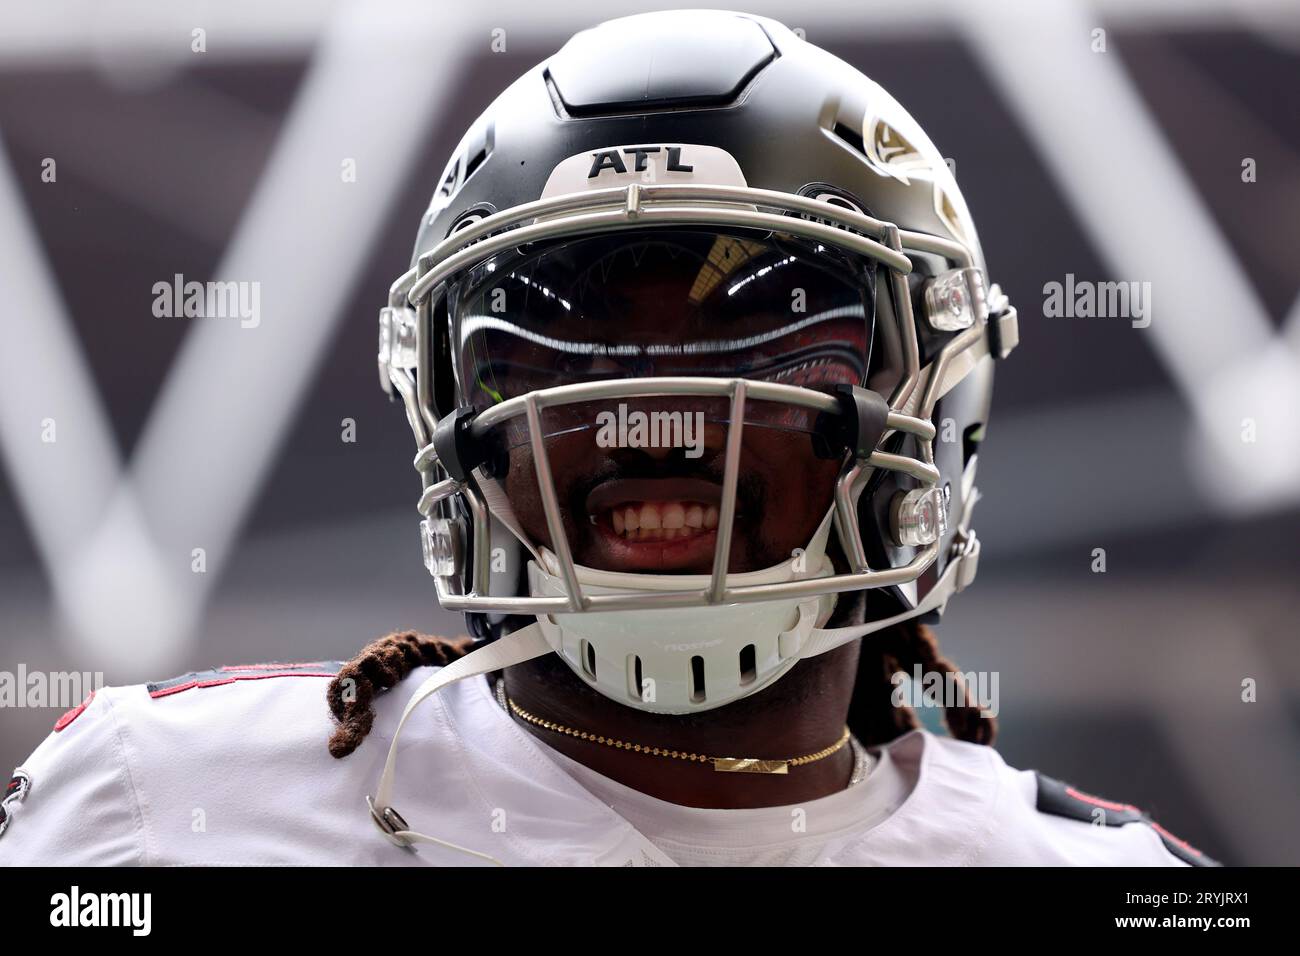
(661, 302)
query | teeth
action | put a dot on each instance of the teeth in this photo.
(662, 520)
(650, 517)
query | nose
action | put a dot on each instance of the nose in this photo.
(696, 425)
(658, 454)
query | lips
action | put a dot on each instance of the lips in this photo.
(622, 490)
(661, 520)
(655, 524)
(656, 509)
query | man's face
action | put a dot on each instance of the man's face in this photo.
(639, 481)
(655, 510)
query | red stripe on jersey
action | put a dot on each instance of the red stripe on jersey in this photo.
(1089, 798)
(71, 715)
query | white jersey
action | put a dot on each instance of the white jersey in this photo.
(231, 767)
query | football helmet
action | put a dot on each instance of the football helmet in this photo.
(800, 263)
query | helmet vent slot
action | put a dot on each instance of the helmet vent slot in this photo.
(635, 682)
(747, 669)
(851, 137)
(476, 162)
(589, 659)
(697, 680)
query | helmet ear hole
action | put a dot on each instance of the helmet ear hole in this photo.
(471, 215)
(837, 200)
(836, 196)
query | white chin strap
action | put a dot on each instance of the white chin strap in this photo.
(532, 641)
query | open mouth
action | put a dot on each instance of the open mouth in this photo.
(660, 520)
(655, 523)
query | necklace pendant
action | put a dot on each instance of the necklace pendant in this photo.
(750, 765)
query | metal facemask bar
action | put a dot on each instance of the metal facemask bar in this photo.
(957, 299)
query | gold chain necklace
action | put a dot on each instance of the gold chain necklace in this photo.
(724, 764)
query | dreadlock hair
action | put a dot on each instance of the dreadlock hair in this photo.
(873, 716)
(381, 665)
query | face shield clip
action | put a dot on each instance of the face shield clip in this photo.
(458, 451)
(860, 423)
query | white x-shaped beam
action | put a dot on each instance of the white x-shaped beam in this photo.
(117, 544)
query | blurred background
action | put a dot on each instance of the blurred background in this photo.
(1165, 149)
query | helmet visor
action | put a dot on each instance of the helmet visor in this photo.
(657, 303)
(638, 482)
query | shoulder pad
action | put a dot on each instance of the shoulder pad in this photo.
(237, 672)
(1062, 800)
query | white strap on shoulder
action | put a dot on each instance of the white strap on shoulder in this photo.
(523, 645)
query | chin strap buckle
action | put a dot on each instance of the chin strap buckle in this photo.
(966, 552)
(1004, 333)
(389, 822)
(1003, 325)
